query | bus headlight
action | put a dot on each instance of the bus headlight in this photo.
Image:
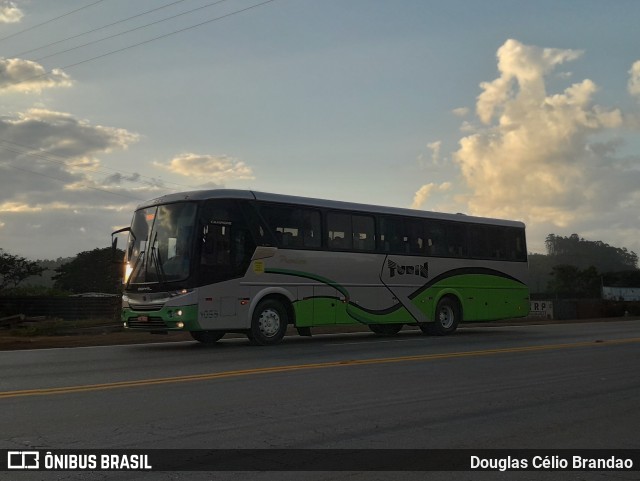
(180, 325)
(127, 272)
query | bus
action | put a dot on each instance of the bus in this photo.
(223, 261)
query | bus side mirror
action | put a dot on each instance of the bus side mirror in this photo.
(114, 244)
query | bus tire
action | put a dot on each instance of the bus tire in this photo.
(385, 329)
(207, 337)
(269, 323)
(448, 315)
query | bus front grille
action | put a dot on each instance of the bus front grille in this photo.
(146, 307)
(149, 324)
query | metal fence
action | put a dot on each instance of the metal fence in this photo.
(568, 309)
(68, 308)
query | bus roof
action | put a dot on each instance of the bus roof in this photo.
(199, 195)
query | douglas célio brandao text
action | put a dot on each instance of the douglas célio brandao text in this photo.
(568, 463)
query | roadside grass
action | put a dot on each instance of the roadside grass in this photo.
(61, 327)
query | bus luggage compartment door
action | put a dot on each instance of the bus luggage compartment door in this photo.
(325, 304)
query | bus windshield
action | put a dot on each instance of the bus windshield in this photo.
(161, 243)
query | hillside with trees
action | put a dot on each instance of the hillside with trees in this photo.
(582, 253)
(576, 267)
(15, 269)
(90, 271)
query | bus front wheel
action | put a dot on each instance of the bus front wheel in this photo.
(447, 318)
(207, 337)
(269, 323)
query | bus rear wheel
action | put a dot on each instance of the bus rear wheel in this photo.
(448, 316)
(269, 323)
(385, 329)
(207, 337)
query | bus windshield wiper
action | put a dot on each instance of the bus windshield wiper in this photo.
(157, 262)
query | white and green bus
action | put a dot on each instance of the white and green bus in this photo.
(236, 261)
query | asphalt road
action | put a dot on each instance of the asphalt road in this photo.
(552, 386)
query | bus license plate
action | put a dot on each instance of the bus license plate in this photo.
(143, 318)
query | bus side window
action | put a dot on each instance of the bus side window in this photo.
(487, 242)
(497, 242)
(257, 226)
(479, 242)
(456, 240)
(415, 236)
(363, 232)
(227, 244)
(435, 238)
(293, 227)
(351, 231)
(392, 236)
(515, 244)
(216, 249)
(339, 231)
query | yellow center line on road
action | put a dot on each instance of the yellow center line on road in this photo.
(303, 367)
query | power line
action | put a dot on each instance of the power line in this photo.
(175, 32)
(95, 29)
(50, 20)
(43, 156)
(109, 37)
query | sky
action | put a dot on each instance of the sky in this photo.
(511, 109)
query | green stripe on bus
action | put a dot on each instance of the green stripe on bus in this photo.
(483, 297)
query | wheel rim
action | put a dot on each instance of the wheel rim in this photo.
(446, 316)
(269, 322)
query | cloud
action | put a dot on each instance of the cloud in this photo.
(541, 157)
(43, 151)
(63, 135)
(50, 178)
(425, 192)
(17, 207)
(9, 12)
(435, 148)
(525, 66)
(634, 80)
(118, 179)
(460, 111)
(434, 157)
(208, 168)
(25, 76)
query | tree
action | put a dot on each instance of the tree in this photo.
(569, 281)
(14, 269)
(563, 279)
(622, 279)
(91, 271)
(582, 253)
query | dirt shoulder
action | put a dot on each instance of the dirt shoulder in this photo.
(113, 335)
(10, 342)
